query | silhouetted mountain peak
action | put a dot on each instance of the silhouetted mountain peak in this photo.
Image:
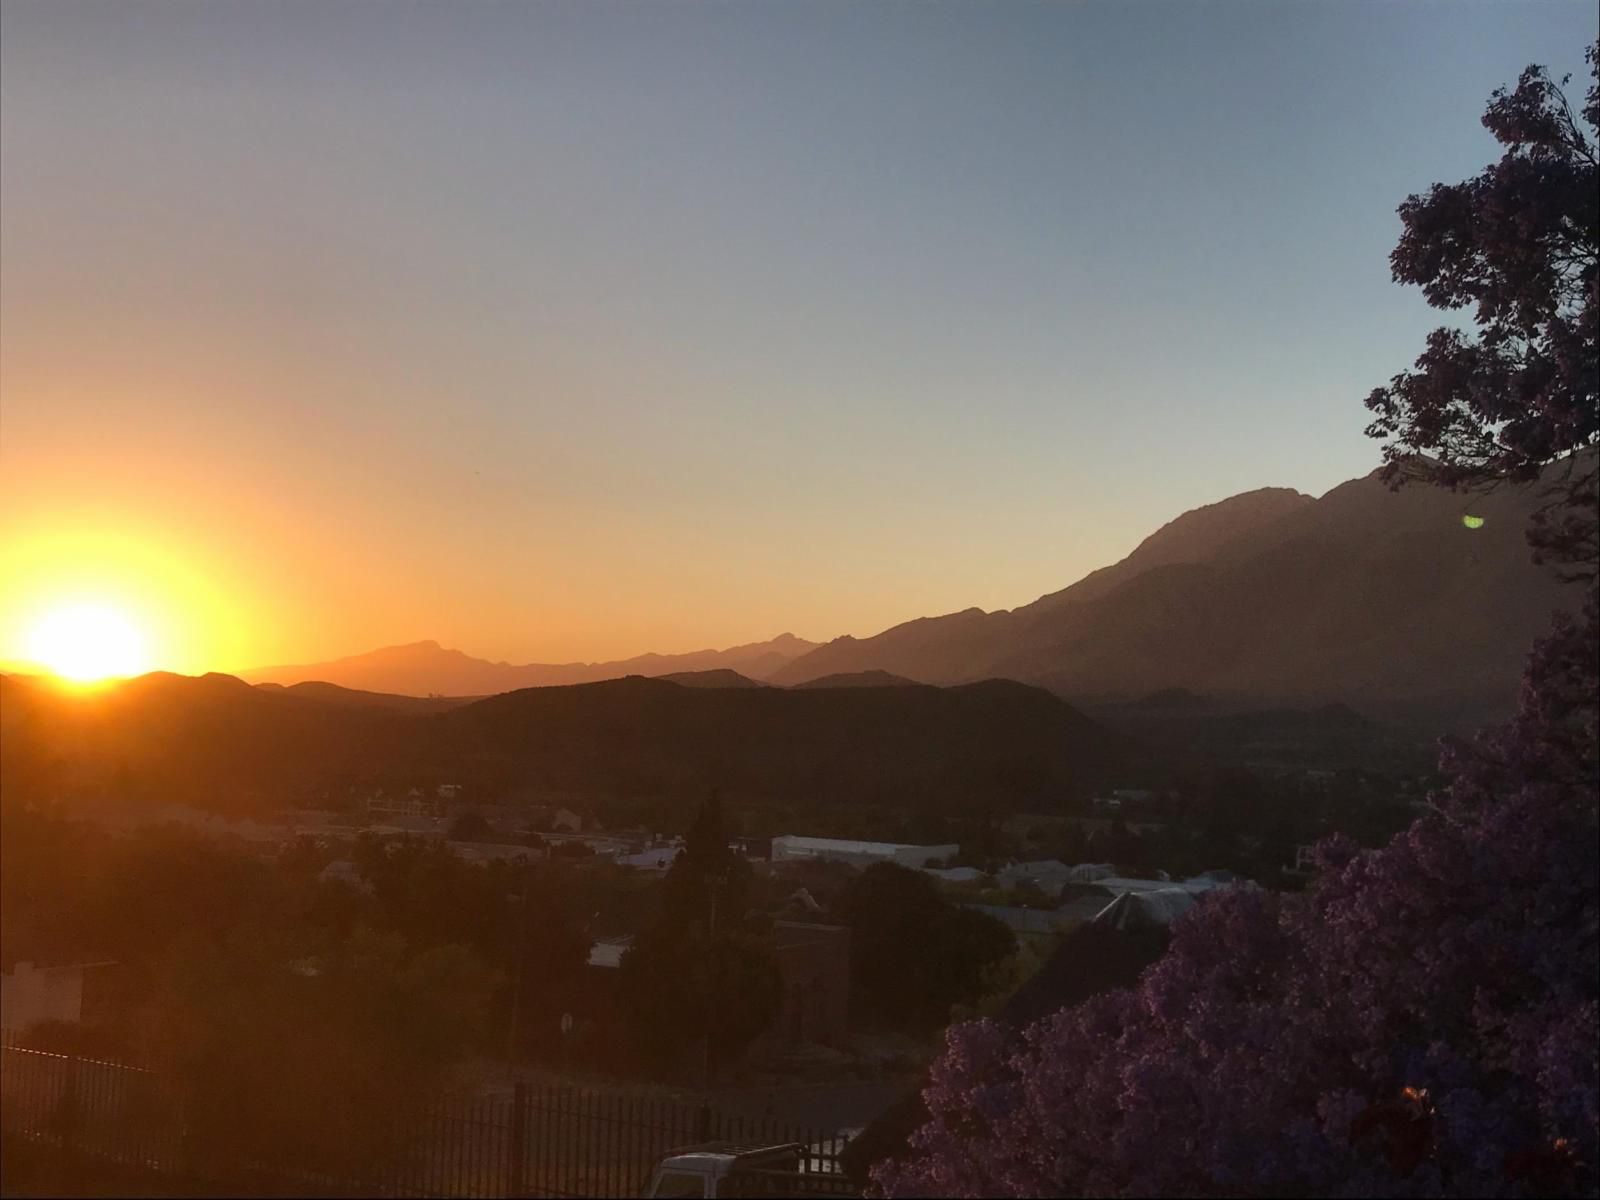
(426, 668)
(1201, 532)
(1367, 595)
(860, 679)
(720, 678)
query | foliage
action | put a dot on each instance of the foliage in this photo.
(470, 826)
(688, 994)
(163, 899)
(521, 919)
(1006, 977)
(1519, 244)
(708, 882)
(913, 954)
(303, 1061)
(694, 981)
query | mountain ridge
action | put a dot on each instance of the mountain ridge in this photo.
(252, 748)
(1365, 595)
(426, 668)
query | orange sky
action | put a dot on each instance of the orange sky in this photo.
(563, 332)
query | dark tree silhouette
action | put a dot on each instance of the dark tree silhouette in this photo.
(695, 981)
(707, 883)
(1519, 244)
(913, 954)
(470, 827)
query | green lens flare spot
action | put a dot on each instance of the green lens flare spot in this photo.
(1472, 522)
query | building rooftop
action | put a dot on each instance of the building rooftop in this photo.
(658, 858)
(608, 953)
(796, 842)
(1019, 920)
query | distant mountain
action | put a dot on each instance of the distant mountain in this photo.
(219, 743)
(859, 679)
(712, 679)
(1379, 599)
(328, 693)
(968, 644)
(429, 669)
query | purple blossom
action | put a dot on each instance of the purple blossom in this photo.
(1421, 1023)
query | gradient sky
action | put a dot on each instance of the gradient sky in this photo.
(572, 331)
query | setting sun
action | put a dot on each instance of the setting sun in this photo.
(88, 642)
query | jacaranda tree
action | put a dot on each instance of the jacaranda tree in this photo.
(1519, 246)
(1423, 1021)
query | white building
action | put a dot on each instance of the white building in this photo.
(789, 848)
(486, 852)
(1155, 909)
(412, 804)
(658, 859)
(342, 870)
(954, 874)
(607, 953)
(1048, 875)
(30, 994)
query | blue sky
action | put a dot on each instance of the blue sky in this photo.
(560, 331)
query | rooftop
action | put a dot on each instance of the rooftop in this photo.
(796, 842)
(608, 953)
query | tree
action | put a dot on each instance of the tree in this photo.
(308, 1061)
(1423, 1021)
(694, 981)
(707, 883)
(913, 954)
(1520, 244)
(689, 994)
(470, 826)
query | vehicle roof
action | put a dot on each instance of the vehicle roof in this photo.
(707, 1153)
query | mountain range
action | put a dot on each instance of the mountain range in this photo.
(429, 669)
(1384, 600)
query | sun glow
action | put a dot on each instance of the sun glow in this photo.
(86, 643)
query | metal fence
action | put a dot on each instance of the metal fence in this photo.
(541, 1141)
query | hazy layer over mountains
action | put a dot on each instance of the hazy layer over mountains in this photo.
(428, 669)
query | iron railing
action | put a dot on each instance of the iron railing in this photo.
(555, 1140)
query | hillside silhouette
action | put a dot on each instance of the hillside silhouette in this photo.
(1382, 600)
(720, 678)
(219, 742)
(859, 679)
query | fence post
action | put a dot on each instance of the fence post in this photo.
(705, 1123)
(67, 1108)
(519, 1133)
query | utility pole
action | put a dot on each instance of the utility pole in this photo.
(705, 1037)
(516, 982)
